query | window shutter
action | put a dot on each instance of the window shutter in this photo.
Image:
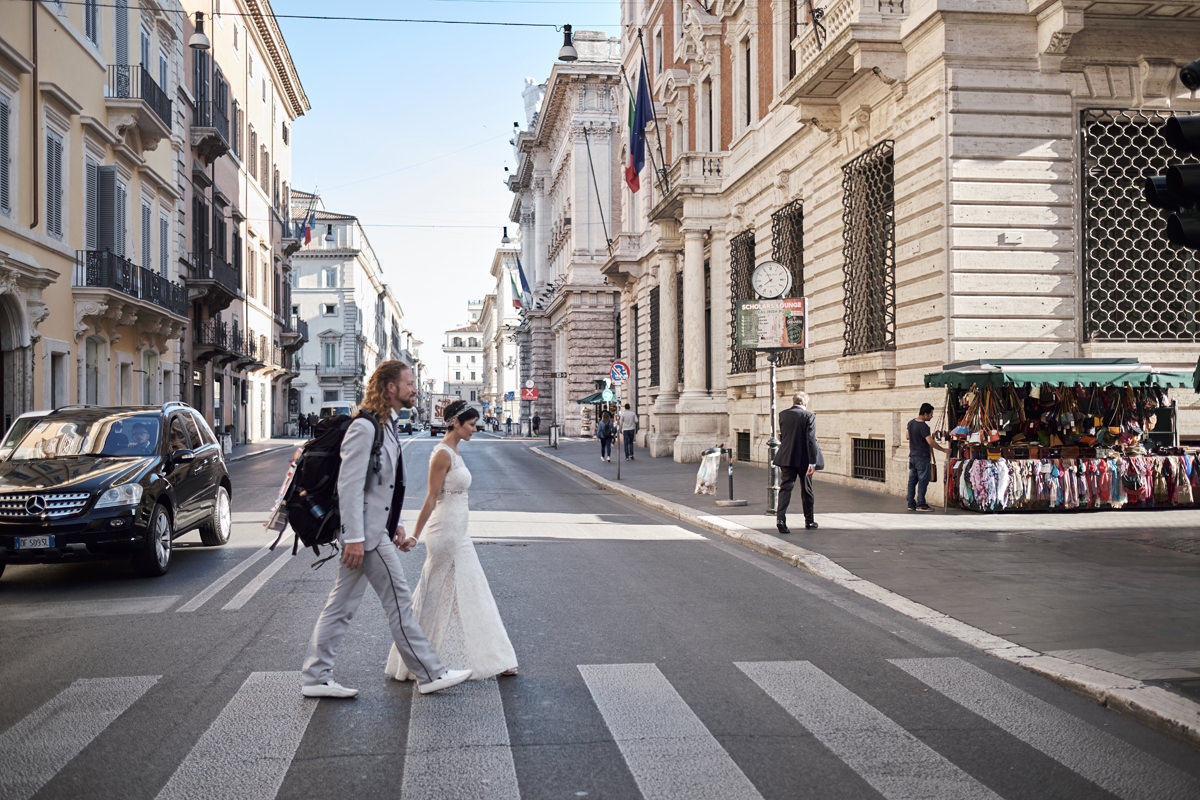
(5, 196)
(164, 244)
(91, 222)
(120, 226)
(54, 152)
(106, 200)
(121, 42)
(146, 218)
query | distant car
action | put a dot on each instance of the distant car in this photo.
(332, 409)
(104, 482)
(404, 420)
(20, 426)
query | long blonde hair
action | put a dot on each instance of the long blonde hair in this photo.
(376, 400)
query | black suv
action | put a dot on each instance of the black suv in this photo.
(89, 482)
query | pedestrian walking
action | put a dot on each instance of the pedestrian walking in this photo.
(604, 432)
(537, 424)
(371, 532)
(508, 426)
(628, 423)
(798, 457)
(920, 457)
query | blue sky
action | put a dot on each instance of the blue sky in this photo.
(410, 126)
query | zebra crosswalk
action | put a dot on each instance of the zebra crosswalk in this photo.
(459, 746)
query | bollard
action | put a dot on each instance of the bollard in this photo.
(728, 453)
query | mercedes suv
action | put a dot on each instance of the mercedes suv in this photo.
(92, 482)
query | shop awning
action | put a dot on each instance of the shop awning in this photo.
(1066, 371)
(594, 398)
(1196, 376)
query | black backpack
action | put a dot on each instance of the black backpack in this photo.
(312, 499)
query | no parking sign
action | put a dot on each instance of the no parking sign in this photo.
(619, 372)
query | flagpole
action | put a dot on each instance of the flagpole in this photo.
(657, 128)
(649, 151)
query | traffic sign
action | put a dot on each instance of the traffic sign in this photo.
(554, 374)
(529, 383)
(619, 372)
(606, 395)
(529, 394)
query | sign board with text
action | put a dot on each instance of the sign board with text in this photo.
(529, 394)
(772, 324)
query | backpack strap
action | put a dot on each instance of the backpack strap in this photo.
(376, 446)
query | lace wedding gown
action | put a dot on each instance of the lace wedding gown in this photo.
(453, 602)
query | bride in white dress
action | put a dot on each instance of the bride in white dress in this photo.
(453, 602)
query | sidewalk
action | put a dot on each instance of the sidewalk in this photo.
(262, 447)
(1104, 602)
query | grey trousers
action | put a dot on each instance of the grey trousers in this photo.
(382, 568)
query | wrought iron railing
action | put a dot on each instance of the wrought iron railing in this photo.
(869, 459)
(212, 114)
(213, 333)
(787, 248)
(1137, 285)
(105, 269)
(212, 266)
(132, 80)
(869, 251)
(741, 262)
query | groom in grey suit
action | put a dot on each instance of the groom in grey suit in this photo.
(370, 496)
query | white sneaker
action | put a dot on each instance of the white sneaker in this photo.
(451, 677)
(327, 689)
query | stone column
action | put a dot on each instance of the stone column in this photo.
(664, 421)
(693, 343)
(540, 270)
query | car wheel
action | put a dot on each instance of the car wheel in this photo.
(214, 531)
(156, 558)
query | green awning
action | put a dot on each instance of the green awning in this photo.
(1065, 371)
(1196, 376)
(594, 398)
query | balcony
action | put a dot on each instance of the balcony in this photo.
(340, 370)
(214, 280)
(625, 261)
(295, 334)
(135, 100)
(210, 131)
(854, 36)
(130, 293)
(694, 175)
(211, 340)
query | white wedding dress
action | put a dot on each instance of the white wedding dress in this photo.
(453, 602)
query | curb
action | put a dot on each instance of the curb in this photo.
(1153, 706)
(244, 456)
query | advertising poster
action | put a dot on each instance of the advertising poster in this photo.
(774, 324)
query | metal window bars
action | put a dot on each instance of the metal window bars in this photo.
(1137, 285)
(869, 251)
(741, 260)
(869, 459)
(654, 315)
(787, 248)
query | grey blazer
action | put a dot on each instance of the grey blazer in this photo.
(369, 517)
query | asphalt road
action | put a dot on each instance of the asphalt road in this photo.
(655, 662)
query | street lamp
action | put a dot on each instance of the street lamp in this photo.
(199, 41)
(567, 53)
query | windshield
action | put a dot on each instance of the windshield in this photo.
(104, 436)
(18, 430)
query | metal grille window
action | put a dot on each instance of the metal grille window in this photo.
(654, 294)
(869, 251)
(679, 322)
(787, 248)
(869, 461)
(741, 259)
(1137, 285)
(743, 445)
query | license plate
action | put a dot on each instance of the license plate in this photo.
(34, 542)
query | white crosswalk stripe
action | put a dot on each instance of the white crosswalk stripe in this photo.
(896, 763)
(1103, 759)
(458, 746)
(41, 744)
(248, 749)
(260, 580)
(670, 753)
(220, 583)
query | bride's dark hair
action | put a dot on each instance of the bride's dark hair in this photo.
(459, 410)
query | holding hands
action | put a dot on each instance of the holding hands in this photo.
(402, 540)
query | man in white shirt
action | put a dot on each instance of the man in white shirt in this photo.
(628, 428)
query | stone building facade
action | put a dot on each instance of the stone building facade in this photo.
(92, 119)
(565, 186)
(945, 180)
(464, 350)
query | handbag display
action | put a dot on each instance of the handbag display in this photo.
(933, 471)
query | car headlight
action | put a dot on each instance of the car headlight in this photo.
(127, 494)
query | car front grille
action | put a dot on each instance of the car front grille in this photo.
(57, 504)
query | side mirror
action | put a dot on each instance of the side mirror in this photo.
(182, 456)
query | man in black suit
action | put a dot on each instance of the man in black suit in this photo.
(798, 456)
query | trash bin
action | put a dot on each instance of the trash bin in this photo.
(554, 436)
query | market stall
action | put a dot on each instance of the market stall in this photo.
(1057, 434)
